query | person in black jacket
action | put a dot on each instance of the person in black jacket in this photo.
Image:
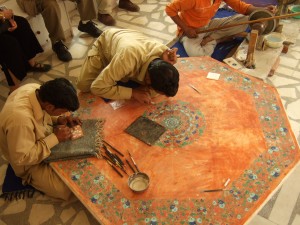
(18, 47)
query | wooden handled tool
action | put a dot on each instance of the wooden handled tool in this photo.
(250, 61)
(248, 22)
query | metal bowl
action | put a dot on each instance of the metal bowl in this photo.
(138, 182)
(274, 40)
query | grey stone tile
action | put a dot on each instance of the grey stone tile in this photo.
(258, 220)
(266, 210)
(295, 217)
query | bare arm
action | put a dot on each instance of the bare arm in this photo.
(188, 31)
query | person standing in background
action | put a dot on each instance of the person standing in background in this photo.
(105, 9)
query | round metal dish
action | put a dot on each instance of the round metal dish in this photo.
(269, 25)
(138, 182)
(274, 40)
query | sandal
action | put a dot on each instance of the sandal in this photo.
(39, 67)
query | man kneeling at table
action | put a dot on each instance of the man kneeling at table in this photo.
(120, 55)
(30, 125)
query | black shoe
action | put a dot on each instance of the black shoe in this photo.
(39, 67)
(128, 5)
(106, 19)
(90, 28)
(62, 51)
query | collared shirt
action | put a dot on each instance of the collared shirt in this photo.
(125, 55)
(26, 134)
(198, 13)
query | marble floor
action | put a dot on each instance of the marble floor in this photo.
(283, 207)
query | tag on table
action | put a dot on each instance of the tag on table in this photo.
(213, 76)
(117, 104)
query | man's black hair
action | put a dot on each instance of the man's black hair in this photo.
(164, 77)
(60, 93)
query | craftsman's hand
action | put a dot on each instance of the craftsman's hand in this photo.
(190, 32)
(170, 55)
(68, 120)
(13, 25)
(62, 132)
(206, 40)
(141, 96)
(271, 8)
(8, 13)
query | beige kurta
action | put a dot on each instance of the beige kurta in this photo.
(26, 137)
(118, 55)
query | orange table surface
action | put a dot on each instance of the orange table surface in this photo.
(236, 128)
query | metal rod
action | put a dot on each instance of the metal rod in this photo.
(114, 168)
(247, 22)
(215, 190)
(193, 87)
(120, 153)
(133, 161)
(130, 166)
(119, 160)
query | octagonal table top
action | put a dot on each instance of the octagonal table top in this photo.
(235, 128)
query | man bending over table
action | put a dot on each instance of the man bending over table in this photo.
(123, 55)
(27, 133)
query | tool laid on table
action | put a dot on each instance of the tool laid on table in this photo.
(137, 181)
(117, 151)
(111, 164)
(193, 87)
(130, 166)
(114, 159)
(214, 190)
(113, 156)
(133, 161)
(219, 189)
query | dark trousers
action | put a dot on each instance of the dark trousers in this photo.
(16, 48)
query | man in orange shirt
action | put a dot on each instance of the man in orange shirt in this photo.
(190, 15)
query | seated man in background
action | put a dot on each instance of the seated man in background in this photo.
(193, 15)
(27, 133)
(123, 55)
(52, 17)
(18, 46)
